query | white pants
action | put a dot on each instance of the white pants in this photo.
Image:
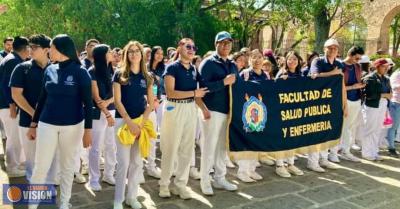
(14, 150)
(178, 129)
(350, 124)
(49, 138)
(315, 157)
(373, 121)
(246, 166)
(102, 133)
(81, 158)
(151, 159)
(213, 145)
(30, 150)
(129, 164)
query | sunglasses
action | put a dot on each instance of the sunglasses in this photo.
(136, 51)
(34, 47)
(191, 47)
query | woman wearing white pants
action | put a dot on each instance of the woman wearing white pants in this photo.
(103, 120)
(64, 114)
(133, 98)
(179, 122)
(377, 91)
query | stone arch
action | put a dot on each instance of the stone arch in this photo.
(379, 15)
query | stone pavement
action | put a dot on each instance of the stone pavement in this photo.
(355, 185)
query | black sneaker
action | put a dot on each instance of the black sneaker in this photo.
(393, 153)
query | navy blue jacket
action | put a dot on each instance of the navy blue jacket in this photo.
(213, 70)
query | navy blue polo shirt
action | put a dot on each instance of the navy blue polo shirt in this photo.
(354, 94)
(66, 98)
(185, 79)
(86, 63)
(7, 66)
(322, 65)
(28, 76)
(104, 86)
(253, 76)
(385, 84)
(132, 94)
(213, 70)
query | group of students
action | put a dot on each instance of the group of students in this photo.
(63, 114)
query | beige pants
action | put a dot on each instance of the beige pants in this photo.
(178, 129)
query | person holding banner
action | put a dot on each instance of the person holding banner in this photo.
(378, 93)
(352, 78)
(325, 66)
(218, 73)
(133, 97)
(247, 167)
(292, 70)
(178, 126)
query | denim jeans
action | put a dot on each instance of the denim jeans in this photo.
(394, 109)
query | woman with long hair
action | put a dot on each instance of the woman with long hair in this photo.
(103, 132)
(133, 98)
(63, 116)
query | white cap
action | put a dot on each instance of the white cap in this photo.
(390, 61)
(331, 42)
(364, 59)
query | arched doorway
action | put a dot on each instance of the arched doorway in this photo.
(379, 15)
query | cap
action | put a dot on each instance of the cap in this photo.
(331, 42)
(380, 61)
(268, 52)
(390, 61)
(364, 59)
(222, 36)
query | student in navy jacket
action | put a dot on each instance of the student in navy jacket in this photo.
(8, 109)
(63, 116)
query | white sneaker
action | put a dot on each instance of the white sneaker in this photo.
(282, 172)
(66, 205)
(183, 192)
(164, 192)
(327, 164)
(350, 157)
(194, 173)
(355, 147)
(368, 158)
(206, 188)
(244, 177)
(229, 164)
(267, 161)
(257, 164)
(109, 180)
(134, 203)
(224, 184)
(294, 170)
(333, 158)
(316, 168)
(14, 173)
(85, 169)
(378, 158)
(254, 175)
(79, 178)
(118, 206)
(96, 187)
(154, 172)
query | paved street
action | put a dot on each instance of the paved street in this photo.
(353, 186)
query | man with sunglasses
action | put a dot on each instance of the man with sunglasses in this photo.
(218, 73)
(352, 79)
(26, 85)
(8, 110)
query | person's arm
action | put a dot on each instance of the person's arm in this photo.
(150, 102)
(101, 104)
(18, 97)
(17, 82)
(203, 108)
(8, 69)
(175, 94)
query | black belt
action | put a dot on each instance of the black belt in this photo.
(188, 100)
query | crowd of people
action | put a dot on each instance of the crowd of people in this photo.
(66, 114)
